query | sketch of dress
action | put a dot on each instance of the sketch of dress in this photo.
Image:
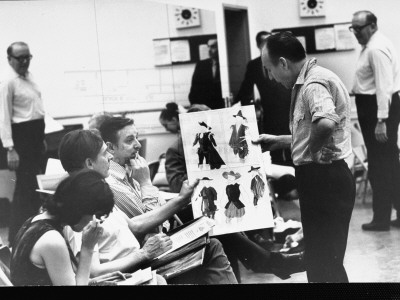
(238, 137)
(208, 207)
(207, 149)
(257, 185)
(234, 208)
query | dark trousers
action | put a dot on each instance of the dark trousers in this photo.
(215, 269)
(383, 158)
(28, 140)
(327, 195)
(238, 246)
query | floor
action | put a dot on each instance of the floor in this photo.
(370, 256)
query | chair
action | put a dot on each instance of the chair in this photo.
(158, 174)
(359, 165)
(5, 259)
(159, 179)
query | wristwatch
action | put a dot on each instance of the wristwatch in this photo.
(380, 120)
(10, 149)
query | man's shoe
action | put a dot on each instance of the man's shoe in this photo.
(264, 243)
(395, 223)
(283, 265)
(375, 226)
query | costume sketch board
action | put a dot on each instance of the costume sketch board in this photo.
(233, 189)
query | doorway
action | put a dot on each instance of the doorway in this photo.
(237, 45)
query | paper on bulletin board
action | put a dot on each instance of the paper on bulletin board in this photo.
(162, 52)
(345, 39)
(180, 51)
(233, 189)
(324, 38)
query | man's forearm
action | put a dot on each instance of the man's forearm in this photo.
(283, 142)
(142, 224)
(321, 132)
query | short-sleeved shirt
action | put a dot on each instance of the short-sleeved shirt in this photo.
(318, 93)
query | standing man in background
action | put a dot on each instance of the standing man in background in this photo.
(206, 81)
(22, 134)
(275, 101)
(376, 88)
(320, 141)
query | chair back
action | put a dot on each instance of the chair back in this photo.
(5, 260)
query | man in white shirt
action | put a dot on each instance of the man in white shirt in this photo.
(22, 133)
(376, 88)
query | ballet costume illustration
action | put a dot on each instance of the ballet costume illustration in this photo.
(238, 141)
(207, 149)
(257, 185)
(208, 195)
(234, 208)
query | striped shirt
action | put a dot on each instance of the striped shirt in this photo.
(129, 196)
(318, 93)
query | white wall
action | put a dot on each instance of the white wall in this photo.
(62, 36)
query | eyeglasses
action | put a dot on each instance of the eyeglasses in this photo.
(22, 58)
(358, 28)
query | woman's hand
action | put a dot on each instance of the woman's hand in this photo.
(91, 233)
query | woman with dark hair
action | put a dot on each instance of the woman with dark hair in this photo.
(169, 117)
(41, 256)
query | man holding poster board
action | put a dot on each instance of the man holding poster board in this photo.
(319, 140)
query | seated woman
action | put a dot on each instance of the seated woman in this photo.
(41, 255)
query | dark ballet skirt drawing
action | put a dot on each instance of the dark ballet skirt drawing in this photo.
(234, 208)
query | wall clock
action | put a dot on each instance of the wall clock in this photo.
(312, 8)
(186, 17)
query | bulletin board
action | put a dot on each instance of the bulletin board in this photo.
(181, 50)
(324, 38)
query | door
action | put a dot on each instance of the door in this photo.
(237, 44)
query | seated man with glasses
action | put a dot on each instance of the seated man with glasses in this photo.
(22, 133)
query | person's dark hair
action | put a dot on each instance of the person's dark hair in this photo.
(109, 129)
(198, 107)
(10, 48)
(97, 119)
(78, 145)
(83, 192)
(284, 44)
(369, 16)
(259, 38)
(171, 111)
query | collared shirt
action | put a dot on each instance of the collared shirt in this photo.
(116, 241)
(20, 101)
(129, 196)
(378, 72)
(318, 93)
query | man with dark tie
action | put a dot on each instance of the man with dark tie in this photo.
(206, 80)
